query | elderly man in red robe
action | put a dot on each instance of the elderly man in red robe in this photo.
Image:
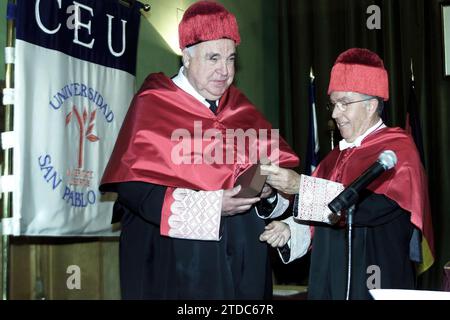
(187, 233)
(392, 223)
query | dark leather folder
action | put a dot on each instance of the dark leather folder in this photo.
(251, 181)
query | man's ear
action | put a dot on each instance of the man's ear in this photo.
(373, 106)
(186, 58)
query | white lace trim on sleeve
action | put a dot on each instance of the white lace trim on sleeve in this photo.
(195, 214)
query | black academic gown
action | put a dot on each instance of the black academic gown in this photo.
(157, 267)
(381, 238)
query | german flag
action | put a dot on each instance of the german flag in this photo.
(414, 128)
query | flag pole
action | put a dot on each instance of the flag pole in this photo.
(311, 75)
(312, 154)
(412, 72)
(7, 168)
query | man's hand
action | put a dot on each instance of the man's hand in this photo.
(285, 180)
(232, 206)
(266, 192)
(276, 234)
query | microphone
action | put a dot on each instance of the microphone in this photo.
(331, 128)
(386, 160)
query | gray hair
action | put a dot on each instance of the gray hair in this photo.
(191, 50)
(380, 105)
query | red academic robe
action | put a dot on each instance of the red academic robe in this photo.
(404, 188)
(406, 183)
(161, 114)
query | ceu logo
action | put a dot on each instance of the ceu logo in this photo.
(85, 129)
(77, 188)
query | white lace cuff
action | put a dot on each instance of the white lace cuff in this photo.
(280, 208)
(195, 215)
(313, 198)
(299, 241)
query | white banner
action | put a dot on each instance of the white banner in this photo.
(74, 78)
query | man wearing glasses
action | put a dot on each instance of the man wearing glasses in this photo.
(392, 214)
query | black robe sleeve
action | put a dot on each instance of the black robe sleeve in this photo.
(140, 198)
(375, 209)
(265, 208)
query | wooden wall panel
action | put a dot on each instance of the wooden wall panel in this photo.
(21, 266)
(39, 268)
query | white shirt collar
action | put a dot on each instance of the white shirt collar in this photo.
(357, 143)
(183, 83)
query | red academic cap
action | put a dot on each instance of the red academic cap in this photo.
(360, 70)
(205, 21)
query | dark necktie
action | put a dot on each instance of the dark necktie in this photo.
(212, 105)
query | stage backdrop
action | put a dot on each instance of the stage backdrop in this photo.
(74, 80)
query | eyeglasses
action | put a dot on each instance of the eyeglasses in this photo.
(341, 105)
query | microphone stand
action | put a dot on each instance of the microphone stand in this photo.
(350, 212)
